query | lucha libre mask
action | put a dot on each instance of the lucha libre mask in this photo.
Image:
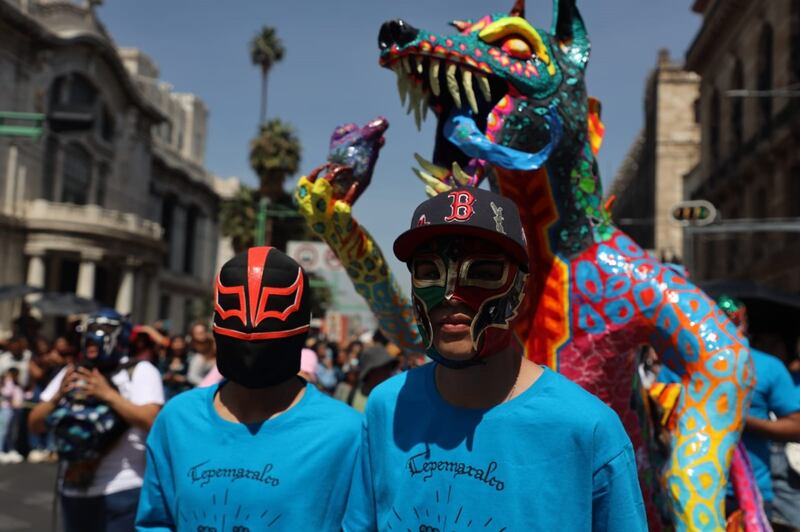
(109, 332)
(482, 278)
(261, 317)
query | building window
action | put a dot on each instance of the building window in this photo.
(77, 175)
(167, 218)
(67, 275)
(163, 306)
(49, 170)
(737, 106)
(189, 240)
(73, 101)
(106, 124)
(765, 73)
(713, 128)
(102, 184)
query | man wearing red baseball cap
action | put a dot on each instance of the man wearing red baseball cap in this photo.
(484, 438)
(263, 449)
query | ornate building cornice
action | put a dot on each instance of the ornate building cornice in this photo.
(720, 16)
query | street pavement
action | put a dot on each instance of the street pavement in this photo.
(26, 497)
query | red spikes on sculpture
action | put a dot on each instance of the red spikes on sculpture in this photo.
(518, 10)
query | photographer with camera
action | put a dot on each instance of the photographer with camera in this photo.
(100, 412)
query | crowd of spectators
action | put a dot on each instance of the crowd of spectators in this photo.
(29, 361)
(349, 371)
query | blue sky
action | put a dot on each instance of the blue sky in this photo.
(330, 75)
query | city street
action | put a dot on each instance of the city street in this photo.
(26, 496)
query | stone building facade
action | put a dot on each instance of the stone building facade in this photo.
(112, 201)
(748, 55)
(650, 180)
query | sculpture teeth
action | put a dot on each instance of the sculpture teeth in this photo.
(413, 99)
(433, 169)
(406, 65)
(402, 85)
(466, 81)
(433, 77)
(431, 181)
(452, 84)
(420, 69)
(418, 113)
(483, 84)
(460, 175)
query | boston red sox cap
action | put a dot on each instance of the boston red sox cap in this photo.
(466, 211)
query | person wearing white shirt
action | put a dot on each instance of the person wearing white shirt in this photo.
(108, 503)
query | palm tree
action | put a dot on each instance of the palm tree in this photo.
(238, 218)
(266, 49)
(274, 156)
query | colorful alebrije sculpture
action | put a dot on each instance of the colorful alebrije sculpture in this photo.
(512, 108)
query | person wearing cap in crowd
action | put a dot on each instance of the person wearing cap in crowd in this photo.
(375, 366)
(774, 393)
(263, 449)
(483, 437)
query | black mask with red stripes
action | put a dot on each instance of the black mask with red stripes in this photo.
(262, 314)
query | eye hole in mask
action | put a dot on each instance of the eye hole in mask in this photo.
(428, 270)
(484, 272)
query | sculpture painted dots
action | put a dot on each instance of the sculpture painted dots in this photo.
(525, 124)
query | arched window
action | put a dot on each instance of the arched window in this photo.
(106, 124)
(103, 173)
(713, 128)
(73, 100)
(49, 170)
(765, 73)
(77, 174)
(737, 106)
(72, 89)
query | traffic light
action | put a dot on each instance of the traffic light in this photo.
(695, 212)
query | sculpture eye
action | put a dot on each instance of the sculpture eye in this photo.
(518, 39)
(517, 48)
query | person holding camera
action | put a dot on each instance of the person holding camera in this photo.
(100, 411)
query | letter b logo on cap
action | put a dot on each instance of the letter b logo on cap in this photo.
(461, 208)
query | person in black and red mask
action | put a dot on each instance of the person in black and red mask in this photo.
(263, 448)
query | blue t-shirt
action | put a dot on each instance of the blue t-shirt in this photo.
(292, 472)
(774, 392)
(553, 458)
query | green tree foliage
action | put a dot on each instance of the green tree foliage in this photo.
(238, 218)
(266, 49)
(321, 296)
(274, 156)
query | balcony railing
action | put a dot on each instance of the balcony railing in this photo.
(47, 215)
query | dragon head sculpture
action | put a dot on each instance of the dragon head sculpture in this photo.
(505, 94)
